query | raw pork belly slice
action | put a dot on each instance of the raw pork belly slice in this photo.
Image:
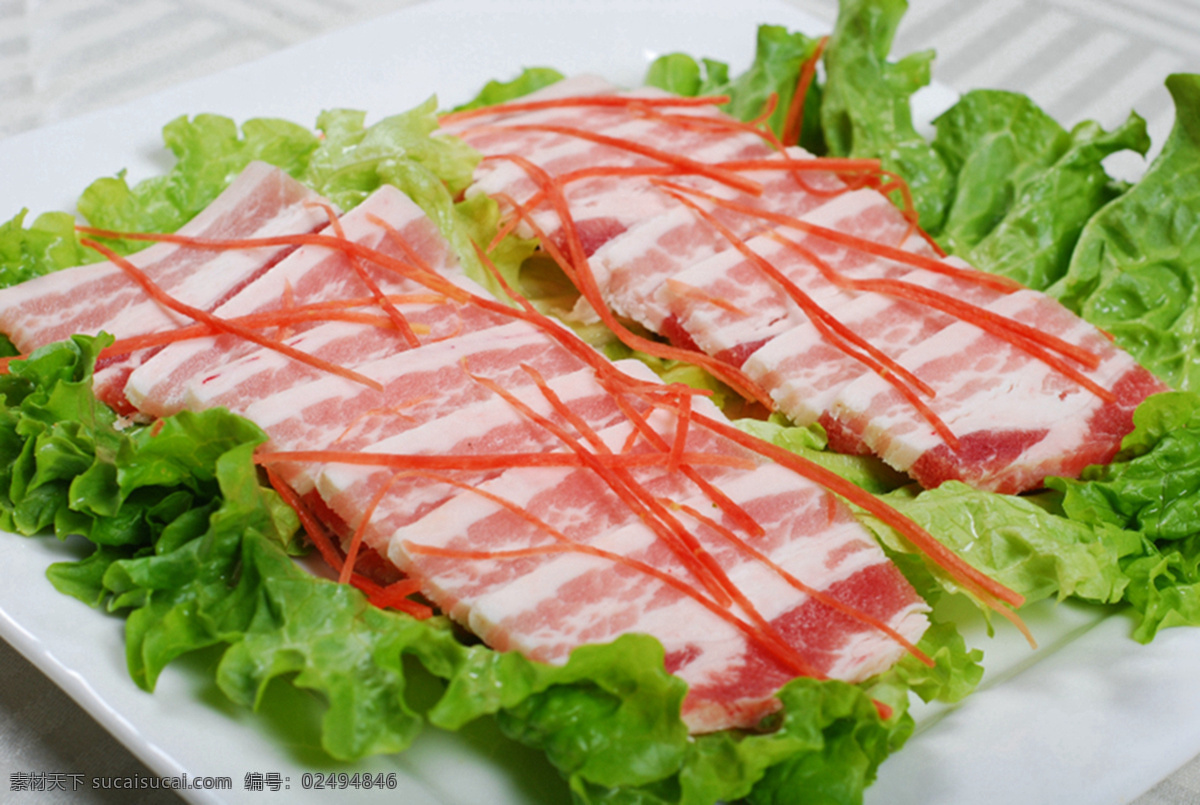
(631, 268)
(546, 603)
(602, 207)
(262, 201)
(728, 307)
(266, 372)
(490, 427)
(1017, 419)
(804, 371)
(314, 274)
(419, 385)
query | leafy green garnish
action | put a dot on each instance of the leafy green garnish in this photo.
(1136, 270)
(530, 80)
(1152, 488)
(779, 57)
(1024, 186)
(865, 111)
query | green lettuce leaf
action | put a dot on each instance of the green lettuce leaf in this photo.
(1153, 488)
(1017, 541)
(779, 56)
(354, 159)
(1025, 187)
(530, 80)
(865, 109)
(1136, 269)
(47, 245)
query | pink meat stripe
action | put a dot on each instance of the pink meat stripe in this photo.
(313, 274)
(1017, 419)
(518, 603)
(262, 201)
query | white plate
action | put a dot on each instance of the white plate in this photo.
(1092, 717)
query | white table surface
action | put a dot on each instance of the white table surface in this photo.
(1079, 59)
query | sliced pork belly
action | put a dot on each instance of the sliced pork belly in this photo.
(632, 268)
(489, 427)
(316, 274)
(729, 307)
(261, 202)
(419, 385)
(602, 207)
(1016, 418)
(546, 603)
(804, 371)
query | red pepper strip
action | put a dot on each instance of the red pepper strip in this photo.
(582, 100)
(160, 296)
(682, 418)
(769, 107)
(357, 536)
(794, 120)
(819, 595)
(784, 653)
(394, 596)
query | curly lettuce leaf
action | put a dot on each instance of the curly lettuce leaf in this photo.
(865, 109)
(46, 245)
(1153, 488)
(1014, 540)
(779, 57)
(1136, 269)
(494, 92)
(1025, 187)
(354, 159)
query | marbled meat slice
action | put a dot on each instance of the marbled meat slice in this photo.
(729, 307)
(546, 597)
(318, 274)
(632, 268)
(262, 201)
(804, 371)
(419, 385)
(489, 427)
(1017, 419)
(602, 206)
